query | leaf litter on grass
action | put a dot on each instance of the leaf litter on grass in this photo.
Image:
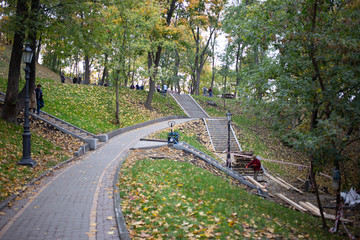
(172, 199)
(49, 147)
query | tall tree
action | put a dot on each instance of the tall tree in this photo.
(314, 70)
(24, 22)
(154, 54)
(202, 17)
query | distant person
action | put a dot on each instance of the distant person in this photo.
(158, 88)
(210, 92)
(33, 105)
(75, 80)
(79, 79)
(255, 164)
(62, 77)
(132, 86)
(137, 86)
(165, 88)
(39, 98)
(204, 91)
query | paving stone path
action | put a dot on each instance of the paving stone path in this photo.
(77, 202)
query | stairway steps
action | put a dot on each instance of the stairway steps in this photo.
(190, 106)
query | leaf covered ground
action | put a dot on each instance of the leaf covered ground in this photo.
(49, 147)
(173, 178)
(167, 194)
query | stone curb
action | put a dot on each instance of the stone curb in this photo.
(120, 219)
(143, 124)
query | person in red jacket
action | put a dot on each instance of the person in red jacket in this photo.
(256, 166)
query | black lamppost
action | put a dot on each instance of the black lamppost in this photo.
(26, 160)
(228, 158)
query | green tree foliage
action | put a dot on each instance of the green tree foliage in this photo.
(200, 17)
(311, 84)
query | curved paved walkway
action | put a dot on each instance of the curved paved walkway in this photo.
(77, 202)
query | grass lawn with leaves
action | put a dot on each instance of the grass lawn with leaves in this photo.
(165, 199)
(89, 107)
(93, 107)
(47, 151)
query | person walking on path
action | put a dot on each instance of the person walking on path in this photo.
(204, 91)
(255, 164)
(165, 88)
(39, 98)
(210, 92)
(62, 77)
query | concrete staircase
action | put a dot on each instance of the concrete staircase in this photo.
(92, 141)
(218, 132)
(189, 106)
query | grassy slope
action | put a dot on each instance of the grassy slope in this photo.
(93, 107)
(89, 107)
(165, 199)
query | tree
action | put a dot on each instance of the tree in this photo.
(314, 71)
(157, 39)
(202, 16)
(23, 22)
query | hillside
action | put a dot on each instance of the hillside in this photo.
(92, 108)
(41, 71)
(89, 107)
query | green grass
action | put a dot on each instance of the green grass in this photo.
(167, 199)
(93, 107)
(89, 107)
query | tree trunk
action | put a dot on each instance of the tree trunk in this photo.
(87, 70)
(238, 65)
(153, 75)
(117, 97)
(156, 61)
(105, 72)
(177, 67)
(38, 48)
(197, 71)
(213, 62)
(312, 174)
(11, 106)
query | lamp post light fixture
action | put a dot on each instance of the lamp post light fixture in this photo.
(228, 158)
(26, 159)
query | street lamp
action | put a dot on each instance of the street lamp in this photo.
(26, 160)
(228, 158)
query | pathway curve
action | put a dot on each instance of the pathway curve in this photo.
(77, 202)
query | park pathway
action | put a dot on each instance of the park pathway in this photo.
(77, 202)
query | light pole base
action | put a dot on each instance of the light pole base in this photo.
(27, 162)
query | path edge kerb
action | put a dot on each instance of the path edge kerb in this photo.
(120, 219)
(143, 124)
